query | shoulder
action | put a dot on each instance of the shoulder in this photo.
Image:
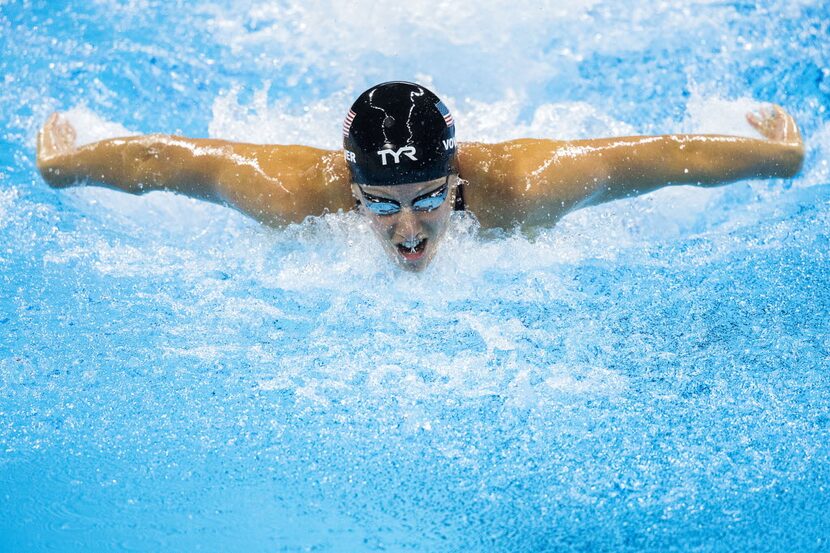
(501, 190)
(507, 162)
(285, 183)
(316, 180)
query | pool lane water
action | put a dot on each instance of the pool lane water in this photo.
(649, 375)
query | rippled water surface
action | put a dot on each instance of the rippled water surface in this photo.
(648, 375)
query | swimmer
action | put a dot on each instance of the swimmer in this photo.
(404, 171)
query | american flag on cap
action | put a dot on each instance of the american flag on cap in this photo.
(347, 124)
(445, 112)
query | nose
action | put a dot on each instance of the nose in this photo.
(408, 226)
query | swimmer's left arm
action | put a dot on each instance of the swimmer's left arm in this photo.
(552, 178)
(641, 164)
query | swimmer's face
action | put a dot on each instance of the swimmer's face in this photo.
(410, 219)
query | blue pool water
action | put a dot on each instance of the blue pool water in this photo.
(648, 375)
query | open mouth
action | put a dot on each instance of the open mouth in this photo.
(412, 250)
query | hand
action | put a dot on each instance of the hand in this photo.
(775, 124)
(54, 141)
(56, 138)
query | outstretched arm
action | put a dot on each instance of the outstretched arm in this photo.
(541, 180)
(273, 184)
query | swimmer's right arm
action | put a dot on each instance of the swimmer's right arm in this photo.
(135, 164)
(273, 184)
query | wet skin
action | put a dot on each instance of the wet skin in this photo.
(410, 237)
(525, 183)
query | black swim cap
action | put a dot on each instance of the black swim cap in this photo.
(397, 133)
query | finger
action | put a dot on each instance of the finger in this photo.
(39, 144)
(778, 117)
(763, 112)
(776, 123)
(44, 143)
(72, 134)
(783, 121)
(63, 130)
(792, 129)
(786, 124)
(48, 135)
(61, 133)
(753, 120)
(67, 131)
(46, 130)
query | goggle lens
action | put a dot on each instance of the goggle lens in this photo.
(382, 208)
(433, 201)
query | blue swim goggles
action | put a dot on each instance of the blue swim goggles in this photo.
(428, 202)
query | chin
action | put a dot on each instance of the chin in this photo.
(413, 267)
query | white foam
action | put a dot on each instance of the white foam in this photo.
(91, 127)
(818, 148)
(715, 115)
(318, 123)
(337, 260)
(501, 120)
(350, 39)
(259, 122)
(7, 200)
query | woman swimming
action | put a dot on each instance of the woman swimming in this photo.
(401, 163)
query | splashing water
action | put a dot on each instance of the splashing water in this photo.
(647, 375)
